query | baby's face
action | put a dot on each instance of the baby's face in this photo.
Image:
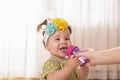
(58, 43)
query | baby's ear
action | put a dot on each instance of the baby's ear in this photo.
(47, 46)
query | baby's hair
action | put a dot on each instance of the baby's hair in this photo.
(45, 22)
(69, 28)
(39, 28)
(40, 25)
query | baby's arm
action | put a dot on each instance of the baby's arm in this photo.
(65, 71)
(82, 73)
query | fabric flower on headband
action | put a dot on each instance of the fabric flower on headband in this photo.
(60, 23)
(50, 28)
(56, 24)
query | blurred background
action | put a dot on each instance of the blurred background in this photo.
(95, 24)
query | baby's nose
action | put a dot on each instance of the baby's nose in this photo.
(63, 41)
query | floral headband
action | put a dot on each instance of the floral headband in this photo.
(54, 25)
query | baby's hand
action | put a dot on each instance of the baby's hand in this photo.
(73, 62)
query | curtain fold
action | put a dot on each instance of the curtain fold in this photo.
(18, 38)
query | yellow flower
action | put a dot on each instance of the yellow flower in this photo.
(60, 23)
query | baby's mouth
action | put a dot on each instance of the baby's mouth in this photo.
(63, 48)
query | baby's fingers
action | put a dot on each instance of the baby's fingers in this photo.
(73, 56)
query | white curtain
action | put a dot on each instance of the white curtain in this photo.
(19, 56)
(95, 24)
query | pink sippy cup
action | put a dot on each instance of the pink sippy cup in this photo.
(73, 50)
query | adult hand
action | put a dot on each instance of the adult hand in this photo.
(89, 55)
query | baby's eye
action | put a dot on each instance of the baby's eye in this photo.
(57, 39)
(67, 38)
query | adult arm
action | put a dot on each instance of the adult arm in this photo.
(104, 57)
